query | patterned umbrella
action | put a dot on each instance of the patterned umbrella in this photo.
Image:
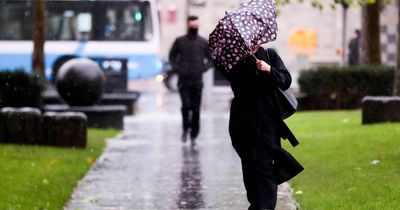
(242, 29)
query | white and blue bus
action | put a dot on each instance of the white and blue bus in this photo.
(127, 29)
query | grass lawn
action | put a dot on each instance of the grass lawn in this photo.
(33, 177)
(337, 153)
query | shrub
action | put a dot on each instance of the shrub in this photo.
(344, 87)
(19, 89)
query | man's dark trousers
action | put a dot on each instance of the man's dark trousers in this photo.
(190, 94)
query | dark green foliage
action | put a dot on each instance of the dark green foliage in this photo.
(344, 87)
(19, 89)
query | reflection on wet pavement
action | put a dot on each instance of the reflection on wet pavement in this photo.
(148, 167)
(190, 193)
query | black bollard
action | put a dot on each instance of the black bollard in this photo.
(80, 82)
(2, 127)
(49, 129)
(378, 109)
(21, 125)
(65, 129)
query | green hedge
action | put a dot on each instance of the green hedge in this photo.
(343, 87)
(19, 89)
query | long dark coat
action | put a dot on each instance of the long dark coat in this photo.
(255, 125)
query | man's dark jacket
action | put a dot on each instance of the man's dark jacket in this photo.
(190, 58)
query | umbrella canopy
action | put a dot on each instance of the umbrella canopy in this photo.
(242, 29)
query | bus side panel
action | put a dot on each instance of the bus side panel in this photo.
(16, 61)
(139, 66)
(24, 61)
(143, 66)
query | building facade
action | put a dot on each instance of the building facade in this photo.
(307, 37)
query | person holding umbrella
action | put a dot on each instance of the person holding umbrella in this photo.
(256, 75)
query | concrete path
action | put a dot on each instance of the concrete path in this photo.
(148, 167)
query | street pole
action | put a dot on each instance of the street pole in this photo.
(396, 89)
(345, 6)
(187, 8)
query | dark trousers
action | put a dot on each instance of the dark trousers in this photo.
(191, 100)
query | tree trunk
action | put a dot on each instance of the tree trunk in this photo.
(39, 23)
(370, 33)
(396, 90)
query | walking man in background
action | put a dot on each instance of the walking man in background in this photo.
(189, 57)
(354, 49)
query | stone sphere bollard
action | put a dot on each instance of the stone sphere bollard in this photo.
(20, 125)
(80, 82)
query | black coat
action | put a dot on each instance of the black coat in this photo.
(190, 58)
(354, 51)
(255, 120)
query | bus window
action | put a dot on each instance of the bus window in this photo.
(16, 21)
(127, 22)
(121, 24)
(69, 25)
(84, 26)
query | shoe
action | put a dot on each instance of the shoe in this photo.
(184, 137)
(193, 141)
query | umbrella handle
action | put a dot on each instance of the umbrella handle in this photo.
(255, 58)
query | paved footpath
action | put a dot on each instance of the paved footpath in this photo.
(148, 167)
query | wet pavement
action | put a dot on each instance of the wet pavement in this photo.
(148, 167)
